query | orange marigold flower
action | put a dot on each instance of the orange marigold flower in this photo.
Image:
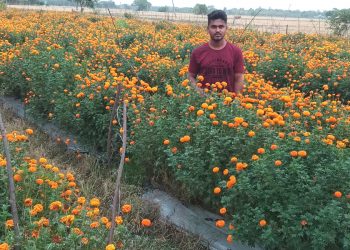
(338, 194)
(4, 246)
(166, 142)
(216, 169)
(126, 208)
(294, 153)
(223, 210)
(85, 240)
(146, 222)
(229, 238)
(220, 223)
(94, 224)
(28, 202)
(302, 153)
(262, 223)
(29, 131)
(9, 224)
(251, 133)
(104, 220)
(278, 163)
(81, 200)
(17, 178)
(217, 190)
(261, 150)
(39, 181)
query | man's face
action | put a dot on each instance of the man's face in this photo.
(217, 29)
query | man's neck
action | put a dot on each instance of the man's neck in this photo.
(217, 45)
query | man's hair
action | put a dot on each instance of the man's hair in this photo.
(217, 14)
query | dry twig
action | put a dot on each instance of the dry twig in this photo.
(116, 197)
(11, 185)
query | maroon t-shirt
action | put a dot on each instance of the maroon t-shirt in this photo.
(217, 65)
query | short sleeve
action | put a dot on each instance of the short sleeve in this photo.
(194, 66)
(239, 61)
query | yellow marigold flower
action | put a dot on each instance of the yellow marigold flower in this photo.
(68, 219)
(119, 220)
(94, 202)
(38, 207)
(42, 160)
(55, 206)
(104, 220)
(77, 231)
(81, 200)
(110, 247)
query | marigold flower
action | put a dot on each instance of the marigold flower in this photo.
(146, 222)
(119, 220)
(217, 190)
(9, 224)
(4, 246)
(216, 169)
(220, 223)
(28, 202)
(338, 194)
(85, 240)
(126, 208)
(110, 247)
(94, 202)
(29, 131)
(38, 208)
(94, 224)
(223, 210)
(262, 223)
(55, 206)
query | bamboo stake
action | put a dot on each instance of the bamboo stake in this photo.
(116, 197)
(12, 194)
(110, 129)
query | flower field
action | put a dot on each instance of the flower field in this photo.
(273, 161)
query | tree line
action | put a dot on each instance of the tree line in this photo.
(338, 19)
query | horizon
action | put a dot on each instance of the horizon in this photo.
(294, 5)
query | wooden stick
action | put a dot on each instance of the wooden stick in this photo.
(110, 129)
(116, 197)
(14, 212)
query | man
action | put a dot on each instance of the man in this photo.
(218, 60)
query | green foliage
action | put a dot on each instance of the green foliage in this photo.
(200, 9)
(163, 9)
(142, 4)
(339, 21)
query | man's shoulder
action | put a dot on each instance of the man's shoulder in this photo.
(233, 47)
(201, 47)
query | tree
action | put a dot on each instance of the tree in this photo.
(85, 3)
(163, 9)
(142, 4)
(339, 21)
(200, 9)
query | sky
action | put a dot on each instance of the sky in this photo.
(302, 5)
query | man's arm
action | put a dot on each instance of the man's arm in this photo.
(238, 83)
